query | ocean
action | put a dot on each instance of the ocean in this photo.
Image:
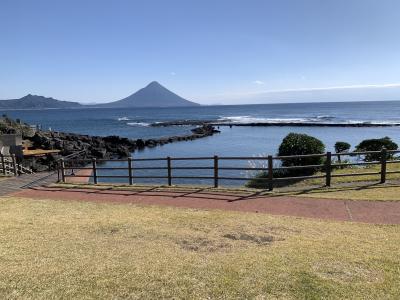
(235, 141)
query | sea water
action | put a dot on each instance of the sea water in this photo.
(235, 141)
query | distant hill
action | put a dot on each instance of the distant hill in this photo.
(36, 102)
(153, 95)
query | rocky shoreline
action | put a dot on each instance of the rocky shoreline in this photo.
(109, 146)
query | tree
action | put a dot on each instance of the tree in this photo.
(341, 147)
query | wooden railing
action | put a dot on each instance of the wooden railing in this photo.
(9, 166)
(96, 165)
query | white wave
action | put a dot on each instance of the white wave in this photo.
(140, 124)
(123, 119)
(248, 119)
(373, 122)
(323, 119)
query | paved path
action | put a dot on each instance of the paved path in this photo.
(15, 184)
(380, 212)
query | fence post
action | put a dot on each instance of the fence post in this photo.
(130, 170)
(62, 170)
(270, 173)
(3, 164)
(94, 171)
(215, 171)
(14, 162)
(169, 171)
(328, 168)
(58, 171)
(383, 164)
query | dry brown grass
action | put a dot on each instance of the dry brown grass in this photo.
(59, 249)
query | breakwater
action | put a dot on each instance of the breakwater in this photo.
(270, 124)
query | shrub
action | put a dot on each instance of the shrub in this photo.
(376, 145)
(301, 144)
(293, 144)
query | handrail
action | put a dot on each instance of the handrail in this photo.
(72, 155)
(60, 163)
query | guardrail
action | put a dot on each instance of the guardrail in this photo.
(215, 168)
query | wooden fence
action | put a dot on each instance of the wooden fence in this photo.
(10, 166)
(272, 165)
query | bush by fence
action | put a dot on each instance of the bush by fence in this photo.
(377, 145)
(295, 144)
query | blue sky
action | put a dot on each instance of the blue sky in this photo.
(210, 51)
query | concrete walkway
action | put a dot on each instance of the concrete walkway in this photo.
(376, 212)
(15, 184)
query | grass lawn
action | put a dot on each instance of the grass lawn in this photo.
(354, 170)
(357, 192)
(60, 249)
(364, 187)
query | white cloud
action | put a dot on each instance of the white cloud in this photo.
(340, 87)
(329, 88)
(259, 82)
(357, 92)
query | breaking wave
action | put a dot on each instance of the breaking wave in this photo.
(123, 119)
(323, 119)
(139, 124)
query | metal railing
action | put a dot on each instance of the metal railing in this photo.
(328, 165)
(60, 164)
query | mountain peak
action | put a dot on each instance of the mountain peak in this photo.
(154, 84)
(36, 97)
(153, 95)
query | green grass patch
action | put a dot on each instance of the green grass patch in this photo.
(355, 170)
(59, 249)
(368, 192)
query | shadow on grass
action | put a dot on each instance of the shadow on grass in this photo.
(228, 195)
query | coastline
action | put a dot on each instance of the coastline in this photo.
(106, 147)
